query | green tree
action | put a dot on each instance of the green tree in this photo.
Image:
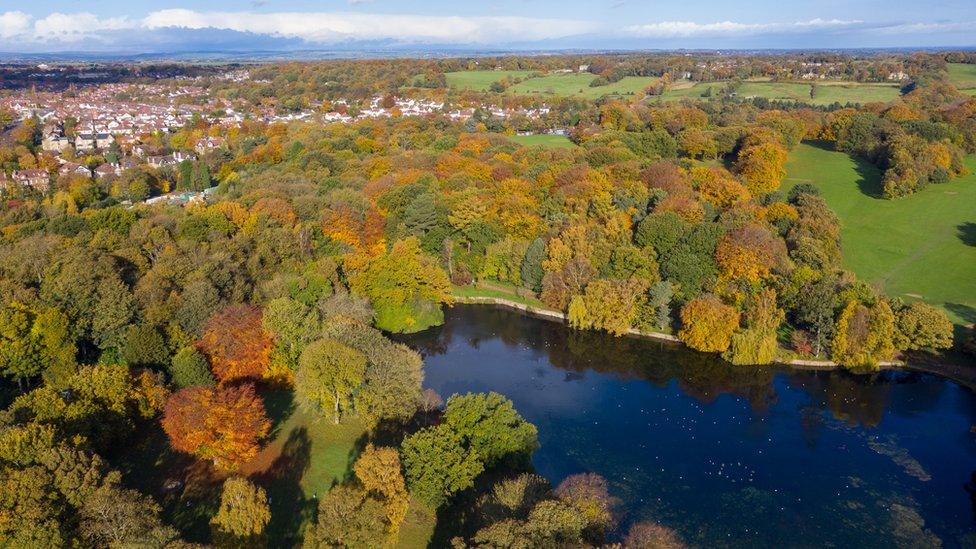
(347, 517)
(438, 464)
(531, 268)
(922, 326)
(328, 374)
(405, 286)
(189, 368)
(293, 326)
(490, 425)
(145, 346)
(33, 342)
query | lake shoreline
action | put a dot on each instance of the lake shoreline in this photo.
(959, 374)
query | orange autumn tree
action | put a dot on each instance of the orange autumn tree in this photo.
(236, 343)
(222, 424)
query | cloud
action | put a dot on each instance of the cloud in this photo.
(324, 27)
(13, 24)
(688, 29)
(77, 26)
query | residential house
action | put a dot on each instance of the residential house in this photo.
(35, 179)
(106, 170)
(72, 168)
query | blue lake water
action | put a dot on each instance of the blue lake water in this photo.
(726, 455)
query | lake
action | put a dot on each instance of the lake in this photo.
(726, 455)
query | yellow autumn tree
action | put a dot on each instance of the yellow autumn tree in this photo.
(707, 324)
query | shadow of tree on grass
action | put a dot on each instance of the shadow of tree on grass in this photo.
(967, 233)
(282, 480)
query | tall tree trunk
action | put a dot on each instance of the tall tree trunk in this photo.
(336, 407)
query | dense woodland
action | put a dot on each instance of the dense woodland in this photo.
(121, 318)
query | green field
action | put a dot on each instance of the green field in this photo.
(963, 76)
(827, 92)
(919, 247)
(565, 84)
(546, 141)
(480, 80)
(578, 84)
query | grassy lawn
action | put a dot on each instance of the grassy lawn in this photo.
(918, 247)
(827, 92)
(578, 84)
(545, 141)
(498, 290)
(480, 80)
(963, 76)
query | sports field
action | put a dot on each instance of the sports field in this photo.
(963, 76)
(918, 247)
(480, 80)
(547, 141)
(827, 93)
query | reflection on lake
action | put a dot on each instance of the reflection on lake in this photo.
(728, 456)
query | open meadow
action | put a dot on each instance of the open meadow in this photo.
(918, 247)
(562, 84)
(480, 80)
(963, 76)
(827, 93)
(544, 140)
(578, 84)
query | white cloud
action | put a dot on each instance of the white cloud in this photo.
(76, 26)
(13, 23)
(333, 27)
(686, 29)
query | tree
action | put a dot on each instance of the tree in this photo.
(244, 511)
(293, 326)
(118, 517)
(30, 509)
(35, 341)
(236, 343)
(438, 464)
(707, 324)
(588, 494)
(648, 535)
(531, 268)
(379, 471)
(814, 311)
(491, 426)
(145, 346)
(922, 326)
(609, 305)
(189, 368)
(405, 286)
(756, 343)
(864, 335)
(224, 425)
(328, 374)
(762, 166)
(347, 517)
(749, 253)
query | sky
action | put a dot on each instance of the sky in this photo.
(239, 25)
